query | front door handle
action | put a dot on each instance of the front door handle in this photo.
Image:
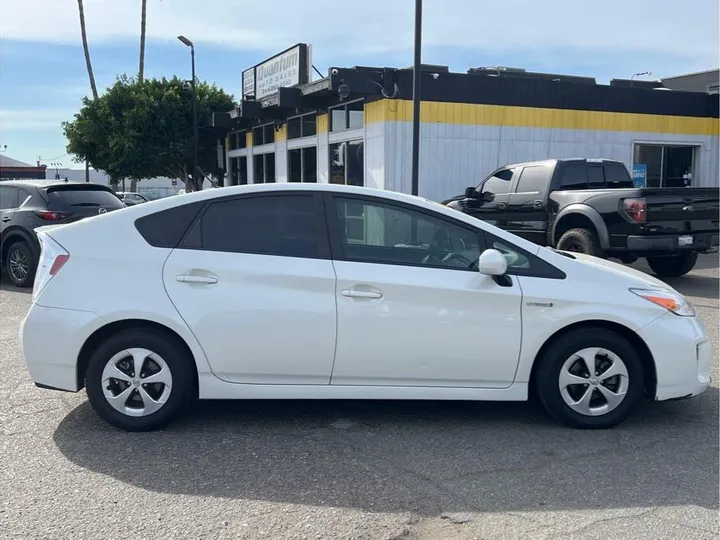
(355, 293)
(188, 278)
(502, 205)
(6, 219)
(538, 204)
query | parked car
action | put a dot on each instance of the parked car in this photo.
(28, 204)
(591, 206)
(318, 291)
(131, 198)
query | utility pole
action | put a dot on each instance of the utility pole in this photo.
(417, 68)
(195, 178)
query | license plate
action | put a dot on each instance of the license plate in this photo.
(685, 241)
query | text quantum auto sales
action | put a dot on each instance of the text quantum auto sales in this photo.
(285, 70)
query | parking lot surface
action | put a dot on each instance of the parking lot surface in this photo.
(388, 470)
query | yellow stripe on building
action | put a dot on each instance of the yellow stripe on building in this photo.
(322, 123)
(387, 110)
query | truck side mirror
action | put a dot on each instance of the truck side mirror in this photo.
(471, 193)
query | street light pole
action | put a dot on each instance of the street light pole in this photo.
(417, 65)
(189, 43)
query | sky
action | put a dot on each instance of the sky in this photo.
(43, 75)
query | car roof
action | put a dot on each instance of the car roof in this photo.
(564, 160)
(40, 183)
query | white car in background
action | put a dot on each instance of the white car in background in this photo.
(317, 291)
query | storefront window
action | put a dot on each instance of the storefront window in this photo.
(238, 140)
(264, 168)
(348, 116)
(347, 164)
(263, 134)
(302, 126)
(657, 165)
(302, 164)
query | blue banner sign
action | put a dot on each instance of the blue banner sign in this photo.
(639, 175)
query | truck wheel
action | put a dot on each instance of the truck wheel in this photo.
(581, 241)
(673, 266)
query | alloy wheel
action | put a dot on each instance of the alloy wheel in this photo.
(18, 265)
(136, 382)
(593, 381)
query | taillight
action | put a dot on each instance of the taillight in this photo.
(635, 209)
(51, 216)
(52, 258)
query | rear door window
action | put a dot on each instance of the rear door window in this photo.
(76, 197)
(282, 225)
(534, 179)
(9, 196)
(616, 175)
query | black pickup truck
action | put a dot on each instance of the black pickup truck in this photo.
(591, 206)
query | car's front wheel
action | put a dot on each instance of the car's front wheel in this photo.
(590, 378)
(139, 380)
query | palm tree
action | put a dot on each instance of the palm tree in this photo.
(143, 17)
(87, 50)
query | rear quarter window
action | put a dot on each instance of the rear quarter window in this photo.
(166, 228)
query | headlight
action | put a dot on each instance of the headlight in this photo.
(671, 301)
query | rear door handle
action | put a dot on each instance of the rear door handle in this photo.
(538, 204)
(6, 219)
(354, 293)
(502, 204)
(187, 278)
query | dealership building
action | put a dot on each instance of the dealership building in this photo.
(354, 126)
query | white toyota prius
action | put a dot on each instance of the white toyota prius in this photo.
(316, 291)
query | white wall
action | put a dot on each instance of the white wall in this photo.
(454, 156)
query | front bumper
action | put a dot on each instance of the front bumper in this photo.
(51, 340)
(682, 353)
(671, 243)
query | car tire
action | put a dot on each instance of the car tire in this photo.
(111, 378)
(581, 241)
(20, 264)
(673, 266)
(587, 405)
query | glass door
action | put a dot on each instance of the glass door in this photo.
(656, 165)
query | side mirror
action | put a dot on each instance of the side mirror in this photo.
(492, 263)
(471, 193)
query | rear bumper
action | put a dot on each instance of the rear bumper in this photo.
(51, 340)
(671, 243)
(682, 353)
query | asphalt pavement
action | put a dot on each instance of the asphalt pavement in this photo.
(355, 470)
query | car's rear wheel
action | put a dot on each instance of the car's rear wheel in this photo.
(139, 380)
(590, 378)
(673, 266)
(20, 264)
(581, 241)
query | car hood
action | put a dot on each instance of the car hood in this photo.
(636, 277)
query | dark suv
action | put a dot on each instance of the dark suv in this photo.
(28, 204)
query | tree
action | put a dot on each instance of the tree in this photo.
(143, 129)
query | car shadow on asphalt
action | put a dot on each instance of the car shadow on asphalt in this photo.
(421, 457)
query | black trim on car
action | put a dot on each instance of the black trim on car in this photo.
(166, 228)
(539, 268)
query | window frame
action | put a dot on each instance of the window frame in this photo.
(347, 143)
(302, 119)
(302, 150)
(264, 157)
(192, 240)
(345, 108)
(262, 128)
(510, 183)
(335, 229)
(17, 198)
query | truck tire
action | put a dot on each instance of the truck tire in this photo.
(581, 241)
(676, 266)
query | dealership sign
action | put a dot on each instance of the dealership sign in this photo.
(288, 68)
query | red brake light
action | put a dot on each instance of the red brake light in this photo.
(635, 209)
(58, 263)
(51, 216)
